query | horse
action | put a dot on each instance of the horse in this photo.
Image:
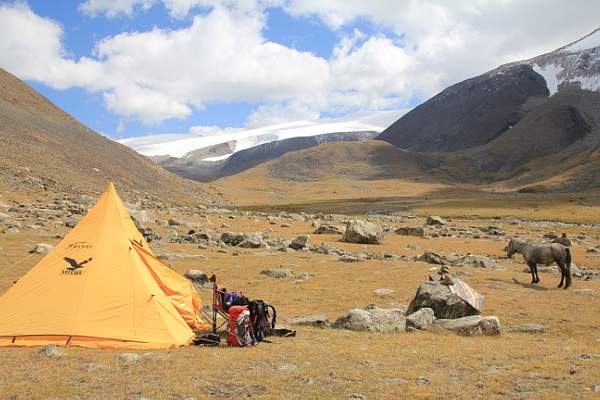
(546, 254)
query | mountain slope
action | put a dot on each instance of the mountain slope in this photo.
(43, 145)
(198, 169)
(478, 110)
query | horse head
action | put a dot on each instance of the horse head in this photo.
(511, 249)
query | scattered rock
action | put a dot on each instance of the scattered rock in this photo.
(434, 220)
(433, 258)
(300, 242)
(464, 326)
(172, 222)
(278, 273)
(91, 367)
(327, 229)
(444, 303)
(129, 357)
(287, 367)
(490, 326)
(421, 380)
(589, 292)
(476, 262)
(42, 248)
(372, 319)
(358, 231)
(232, 238)
(252, 241)
(410, 231)
(51, 351)
(199, 279)
(420, 320)
(319, 321)
(383, 292)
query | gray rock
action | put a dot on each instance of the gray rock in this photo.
(172, 222)
(199, 279)
(300, 242)
(42, 248)
(91, 367)
(383, 292)
(327, 229)
(232, 238)
(129, 357)
(432, 258)
(444, 303)
(252, 241)
(434, 220)
(278, 273)
(420, 320)
(464, 326)
(372, 319)
(476, 262)
(319, 321)
(51, 351)
(410, 231)
(358, 231)
(490, 326)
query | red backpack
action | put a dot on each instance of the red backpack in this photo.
(240, 327)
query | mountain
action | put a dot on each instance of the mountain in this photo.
(194, 167)
(195, 144)
(480, 109)
(517, 124)
(45, 147)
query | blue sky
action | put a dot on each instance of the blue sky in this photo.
(136, 67)
(81, 32)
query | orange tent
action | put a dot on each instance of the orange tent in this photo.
(101, 287)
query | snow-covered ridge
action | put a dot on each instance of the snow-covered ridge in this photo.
(181, 145)
(576, 64)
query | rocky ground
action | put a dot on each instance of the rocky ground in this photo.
(349, 302)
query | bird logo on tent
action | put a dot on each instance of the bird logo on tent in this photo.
(74, 264)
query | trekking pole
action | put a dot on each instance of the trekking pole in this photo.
(213, 279)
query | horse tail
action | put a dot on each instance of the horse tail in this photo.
(568, 265)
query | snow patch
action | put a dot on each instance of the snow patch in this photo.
(588, 42)
(550, 73)
(179, 145)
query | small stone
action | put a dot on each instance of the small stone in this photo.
(383, 292)
(278, 273)
(300, 242)
(319, 321)
(129, 357)
(490, 326)
(51, 351)
(528, 328)
(91, 367)
(434, 220)
(355, 396)
(287, 367)
(421, 380)
(42, 248)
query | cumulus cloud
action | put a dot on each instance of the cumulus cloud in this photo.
(223, 56)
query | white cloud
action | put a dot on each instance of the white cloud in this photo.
(223, 56)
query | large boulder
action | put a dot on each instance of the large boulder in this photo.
(444, 303)
(359, 231)
(474, 261)
(433, 258)
(372, 319)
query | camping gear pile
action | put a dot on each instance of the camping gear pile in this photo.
(246, 322)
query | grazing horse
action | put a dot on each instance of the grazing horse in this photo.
(546, 254)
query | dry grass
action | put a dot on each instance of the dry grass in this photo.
(331, 363)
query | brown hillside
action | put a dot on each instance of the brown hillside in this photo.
(43, 145)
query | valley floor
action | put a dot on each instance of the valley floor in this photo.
(563, 362)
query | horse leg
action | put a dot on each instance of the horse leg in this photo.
(532, 270)
(537, 274)
(562, 274)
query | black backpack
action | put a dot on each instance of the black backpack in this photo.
(259, 317)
